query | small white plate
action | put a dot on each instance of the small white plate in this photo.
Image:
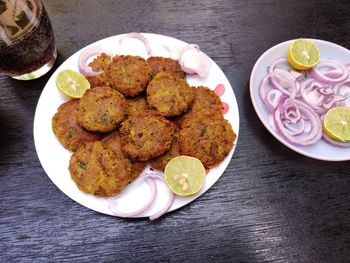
(321, 150)
(55, 158)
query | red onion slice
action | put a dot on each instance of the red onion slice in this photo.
(170, 197)
(343, 89)
(113, 205)
(308, 114)
(332, 66)
(193, 61)
(139, 37)
(334, 142)
(88, 53)
(272, 99)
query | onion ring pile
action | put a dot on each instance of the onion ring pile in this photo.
(297, 100)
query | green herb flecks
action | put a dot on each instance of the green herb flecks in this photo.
(82, 165)
(104, 118)
(3, 6)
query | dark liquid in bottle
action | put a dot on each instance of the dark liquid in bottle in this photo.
(31, 51)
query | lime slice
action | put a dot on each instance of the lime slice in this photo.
(184, 175)
(303, 54)
(336, 124)
(72, 83)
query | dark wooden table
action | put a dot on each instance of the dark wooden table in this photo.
(271, 204)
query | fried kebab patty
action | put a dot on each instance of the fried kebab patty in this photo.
(66, 128)
(98, 170)
(137, 104)
(205, 100)
(129, 75)
(113, 141)
(146, 135)
(169, 95)
(101, 109)
(207, 137)
(160, 162)
(160, 64)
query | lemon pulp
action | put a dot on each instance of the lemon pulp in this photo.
(303, 54)
(72, 83)
(184, 175)
(336, 124)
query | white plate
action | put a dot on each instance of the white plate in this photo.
(321, 150)
(55, 158)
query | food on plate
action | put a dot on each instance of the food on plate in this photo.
(131, 106)
(101, 109)
(205, 100)
(169, 95)
(185, 175)
(336, 124)
(137, 104)
(208, 137)
(98, 170)
(146, 135)
(160, 64)
(113, 142)
(67, 129)
(72, 84)
(160, 162)
(100, 63)
(129, 75)
(297, 101)
(303, 54)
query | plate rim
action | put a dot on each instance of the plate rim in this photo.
(262, 119)
(233, 103)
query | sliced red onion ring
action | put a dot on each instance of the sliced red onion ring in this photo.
(334, 142)
(193, 61)
(170, 197)
(272, 98)
(327, 78)
(113, 205)
(343, 89)
(139, 37)
(308, 114)
(88, 53)
(280, 63)
(290, 86)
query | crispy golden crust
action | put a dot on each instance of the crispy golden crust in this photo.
(160, 162)
(101, 109)
(97, 81)
(207, 137)
(129, 74)
(67, 129)
(146, 135)
(113, 142)
(205, 100)
(101, 62)
(137, 104)
(169, 95)
(160, 64)
(98, 170)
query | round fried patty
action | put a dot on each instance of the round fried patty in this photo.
(113, 142)
(136, 104)
(146, 135)
(160, 162)
(160, 64)
(205, 100)
(128, 74)
(207, 137)
(67, 129)
(98, 170)
(101, 109)
(171, 96)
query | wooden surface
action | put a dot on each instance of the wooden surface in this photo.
(271, 204)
